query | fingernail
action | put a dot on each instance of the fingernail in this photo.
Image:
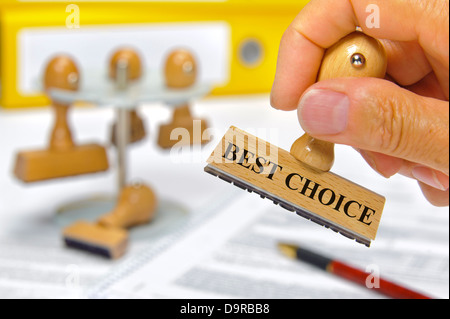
(429, 177)
(323, 112)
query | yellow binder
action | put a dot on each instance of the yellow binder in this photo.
(247, 33)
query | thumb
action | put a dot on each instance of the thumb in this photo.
(377, 115)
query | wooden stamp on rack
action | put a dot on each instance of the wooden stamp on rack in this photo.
(300, 180)
(181, 73)
(134, 73)
(136, 204)
(62, 158)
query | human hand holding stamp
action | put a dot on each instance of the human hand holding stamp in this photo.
(300, 180)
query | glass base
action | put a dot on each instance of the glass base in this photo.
(169, 215)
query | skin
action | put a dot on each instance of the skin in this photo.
(399, 124)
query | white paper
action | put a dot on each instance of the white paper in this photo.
(226, 246)
(234, 255)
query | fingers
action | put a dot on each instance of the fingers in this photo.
(385, 165)
(407, 62)
(323, 22)
(434, 196)
(302, 47)
(429, 86)
(297, 65)
(378, 116)
(430, 177)
(389, 166)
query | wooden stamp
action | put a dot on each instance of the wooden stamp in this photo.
(109, 236)
(137, 131)
(63, 158)
(133, 63)
(136, 205)
(300, 180)
(183, 119)
(180, 73)
(107, 242)
(323, 197)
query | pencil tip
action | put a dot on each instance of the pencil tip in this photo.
(288, 249)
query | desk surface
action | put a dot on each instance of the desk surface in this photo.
(411, 247)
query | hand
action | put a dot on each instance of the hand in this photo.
(399, 124)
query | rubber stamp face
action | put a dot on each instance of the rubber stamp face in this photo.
(62, 73)
(128, 57)
(180, 69)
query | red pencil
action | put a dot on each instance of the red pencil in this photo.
(350, 273)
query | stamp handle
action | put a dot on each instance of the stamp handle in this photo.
(61, 73)
(356, 55)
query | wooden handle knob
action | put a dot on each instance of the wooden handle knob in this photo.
(356, 55)
(136, 205)
(180, 69)
(61, 73)
(131, 59)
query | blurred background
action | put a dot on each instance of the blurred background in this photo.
(236, 41)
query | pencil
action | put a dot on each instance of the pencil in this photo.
(348, 272)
